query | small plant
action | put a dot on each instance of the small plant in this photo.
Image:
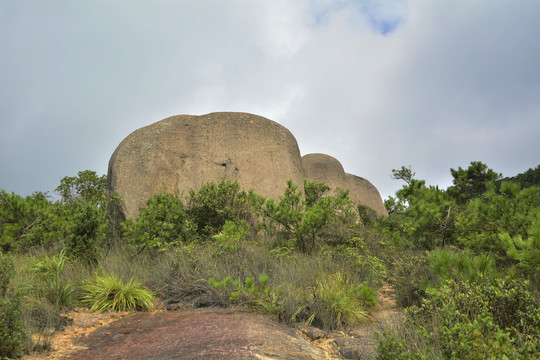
(337, 302)
(49, 281)
(105, 292)
(231, 236)
(257, 294)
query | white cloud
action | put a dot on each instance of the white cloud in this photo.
(375, 84)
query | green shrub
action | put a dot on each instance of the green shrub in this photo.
(488, 319)
(29, 221)
(86, 225)
(512, 211)
(314, 191)
(307, 226)
(162, 223)
(450, 264)
(215, 203)
(411, 278)
(104, 292)
(357, 254)
(232, 235)
(12, 332)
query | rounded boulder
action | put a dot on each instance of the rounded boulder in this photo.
(185, 151)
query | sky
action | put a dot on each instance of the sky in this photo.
(376, 84)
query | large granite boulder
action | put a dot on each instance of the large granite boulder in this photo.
(182, 152)
(322, 168)
(365, 193)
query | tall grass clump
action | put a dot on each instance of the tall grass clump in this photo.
(49, 281)
(107, 291)
(337, 302)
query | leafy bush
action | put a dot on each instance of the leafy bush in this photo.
(511, 210)
(306, 225)
(86, 186)
(104, 292)
(12, 332)
(29, 221)
(215, 203)
(359, 255)
(450, 264)
(463, 320)
(162, 223)
(411, 278)
(86, 227)
(231, 236)
(314, 191)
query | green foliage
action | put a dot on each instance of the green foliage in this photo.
(493, 319)
(49, 282)
(391, 347)
(336, 302)
(405, 173)
(361, 256)
(34, 221)
(87, 186)
(209, 207)
(526, 252)
(107, 291)
(411, 278)
(162, 223)
(421, 217)
(29, 221)
(256, 294)
(448, 264)
(314, 192)
(528, 178)
(512, 211)
(86, 226)
(232, 235)
(471, 182)
(305, 224)
(367, 215)
(426, 221)
(12, 332)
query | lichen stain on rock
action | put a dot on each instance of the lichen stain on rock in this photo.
(195, 334)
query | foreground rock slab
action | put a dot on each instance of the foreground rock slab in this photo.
(195, 334)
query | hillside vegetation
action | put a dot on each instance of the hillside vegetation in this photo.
(464, 262)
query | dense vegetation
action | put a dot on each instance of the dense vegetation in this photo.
(464, 262)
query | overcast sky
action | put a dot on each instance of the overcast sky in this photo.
(375, 84)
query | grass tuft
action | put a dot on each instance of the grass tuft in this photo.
(107, 291)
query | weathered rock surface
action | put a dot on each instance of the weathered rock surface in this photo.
(196, 334)
(325, 169)
(365, 193)
(182, 152)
